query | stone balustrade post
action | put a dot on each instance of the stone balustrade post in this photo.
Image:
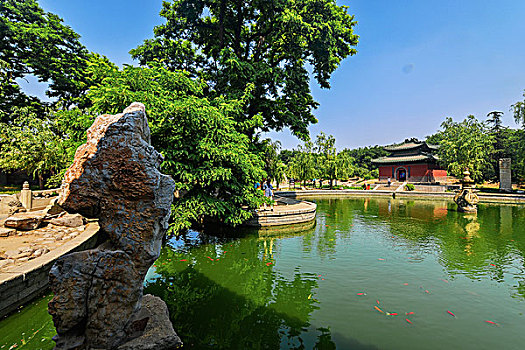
(26, 196)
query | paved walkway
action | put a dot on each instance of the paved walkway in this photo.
(24, 280)
(483, 197)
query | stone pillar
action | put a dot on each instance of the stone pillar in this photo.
(505, 182)
(26, 196)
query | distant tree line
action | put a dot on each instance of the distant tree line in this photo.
(478, 145)
(320, 160)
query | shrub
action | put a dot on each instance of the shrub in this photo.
(410, 187)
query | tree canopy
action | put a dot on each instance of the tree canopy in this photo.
(270, 44)
(213, 165)
(32, 144)
(35, 42)
(465, 145)
(519, 112)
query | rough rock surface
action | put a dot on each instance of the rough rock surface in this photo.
(108, 281)
(6, 232)
(10, 205)
(68, 220)
(53, 208)
(25, 221)
(153, 326)
(115, 177)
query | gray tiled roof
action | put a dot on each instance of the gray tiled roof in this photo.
(409, 145)
(406, 159)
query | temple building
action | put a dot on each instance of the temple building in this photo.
(411, 161)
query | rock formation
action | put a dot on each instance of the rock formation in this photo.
(10, 205)
(115, 177)
(466, 198)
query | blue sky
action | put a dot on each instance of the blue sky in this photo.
(417, 62)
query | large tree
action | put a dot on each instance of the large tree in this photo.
(326, 158)
(35, 42)
(517, 141)
(519, 112)
(272, 44)
(465, 145)
(303, 167)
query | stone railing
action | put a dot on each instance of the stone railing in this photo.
(26, 199)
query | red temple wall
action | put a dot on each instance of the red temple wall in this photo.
(418, 172)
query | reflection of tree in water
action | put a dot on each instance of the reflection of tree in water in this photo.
(489, 243)
(334, 222)
(236, 300)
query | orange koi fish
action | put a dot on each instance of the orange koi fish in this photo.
(361, 293)
(409, 313)
(391, 313)
(378, 309)
(377, 301)
(183, 260)
(451, 313)
(268, 263)
(494, 323)
(408, 320)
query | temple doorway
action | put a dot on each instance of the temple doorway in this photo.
(401, 175)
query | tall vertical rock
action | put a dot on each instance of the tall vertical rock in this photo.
(115, 177)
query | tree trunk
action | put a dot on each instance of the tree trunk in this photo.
(238, 29)
(221, 23)
(41, 181)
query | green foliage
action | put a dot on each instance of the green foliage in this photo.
(303, 165)
(519, 112)
(323, 161)
(32, 144)
(362, 161)
(515, 144)
(326, 157)
(274, 167)
(410, 187)
(269, 44)
(213, 164)
(465, 145)
(345, 167)
(38, 43)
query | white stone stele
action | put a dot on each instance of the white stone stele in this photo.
(505, 175)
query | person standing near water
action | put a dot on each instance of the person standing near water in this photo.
(389, 181)
(268, 192)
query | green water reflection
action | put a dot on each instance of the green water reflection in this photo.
(316, 287)
(303, 290)
(30, 327)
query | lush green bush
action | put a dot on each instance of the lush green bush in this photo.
(410, 187)
(213, 163)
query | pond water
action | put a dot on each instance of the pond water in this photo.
(371, 274)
